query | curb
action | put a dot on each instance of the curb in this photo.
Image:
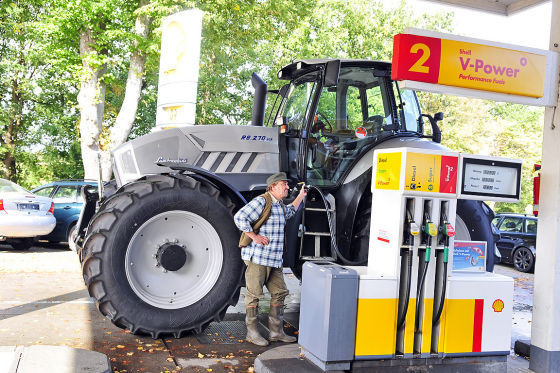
(60, 359)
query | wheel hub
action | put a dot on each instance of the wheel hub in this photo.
(171, 256)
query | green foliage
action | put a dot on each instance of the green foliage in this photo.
(41, 72)
(492, 128)
(36, 120)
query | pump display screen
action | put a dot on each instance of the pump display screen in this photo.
(492, 178)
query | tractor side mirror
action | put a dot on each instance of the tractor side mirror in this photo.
(438, 116)
(436, 132)
(332, 70)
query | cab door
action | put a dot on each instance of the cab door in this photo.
(296, 112)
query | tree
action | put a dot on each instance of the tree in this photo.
(492, 128)
(36, 116)
(18, 65)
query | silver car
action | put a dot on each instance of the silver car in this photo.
(23, 215)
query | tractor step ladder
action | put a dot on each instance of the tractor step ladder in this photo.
(317, 257)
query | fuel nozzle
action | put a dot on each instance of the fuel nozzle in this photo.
(430, 229)
(411, 227)
(295, 190)
(414, 228)
(448, 231)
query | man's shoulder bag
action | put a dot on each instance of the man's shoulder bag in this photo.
(265, 214)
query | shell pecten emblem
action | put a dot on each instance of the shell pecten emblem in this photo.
(498, 305)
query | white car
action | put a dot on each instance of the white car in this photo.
(23, 215)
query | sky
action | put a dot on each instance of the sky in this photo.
(529, 27)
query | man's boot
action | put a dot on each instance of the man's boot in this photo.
(276, 325)
(253, 334)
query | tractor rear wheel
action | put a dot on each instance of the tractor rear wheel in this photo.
(474, 224)
(161, 256)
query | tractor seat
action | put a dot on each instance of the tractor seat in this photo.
(374, 124)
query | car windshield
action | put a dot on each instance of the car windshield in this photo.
(7, 186)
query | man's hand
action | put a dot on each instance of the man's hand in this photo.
(257, 238)
(302, 191)
(300, 197)
(261, 240)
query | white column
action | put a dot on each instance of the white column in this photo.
(179, 67)
(545, 332)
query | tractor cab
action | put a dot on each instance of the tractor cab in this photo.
(333, 111)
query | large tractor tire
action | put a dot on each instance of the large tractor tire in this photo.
(474, 224)
(161, 257)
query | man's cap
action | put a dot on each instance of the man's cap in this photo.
(280, 176)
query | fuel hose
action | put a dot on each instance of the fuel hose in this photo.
(402, 317)
(443, 289)
(343, 259)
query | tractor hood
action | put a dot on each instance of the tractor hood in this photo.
(243, 155)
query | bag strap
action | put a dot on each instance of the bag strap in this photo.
(265, 214)
(244, 240)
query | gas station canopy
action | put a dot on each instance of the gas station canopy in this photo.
(503, 7)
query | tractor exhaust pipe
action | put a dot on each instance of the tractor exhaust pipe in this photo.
(259, 101)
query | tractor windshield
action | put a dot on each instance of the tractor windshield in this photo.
(356, 113)
(328, 130)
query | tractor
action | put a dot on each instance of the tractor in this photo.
(160, 253)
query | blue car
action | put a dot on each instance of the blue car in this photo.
(67, 207)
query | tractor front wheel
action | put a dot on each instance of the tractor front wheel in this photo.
(161, 256)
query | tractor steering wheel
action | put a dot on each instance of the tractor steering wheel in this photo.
(326, 120)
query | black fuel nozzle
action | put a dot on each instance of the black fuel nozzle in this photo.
(293, 192)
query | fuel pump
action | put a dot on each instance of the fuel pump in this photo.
(423, 294)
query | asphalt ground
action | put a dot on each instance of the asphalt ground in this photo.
(43, 301)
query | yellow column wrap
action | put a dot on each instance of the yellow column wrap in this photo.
(376, 326)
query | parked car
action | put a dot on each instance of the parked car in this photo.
(68, 204)
(518, 240)
(23, 215)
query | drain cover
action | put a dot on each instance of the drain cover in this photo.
(226, 332)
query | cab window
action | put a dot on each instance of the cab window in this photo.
(408, 109)
(296, 107)
(349, 116)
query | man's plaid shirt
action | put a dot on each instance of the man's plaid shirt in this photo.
(271, 254)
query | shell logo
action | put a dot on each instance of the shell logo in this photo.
(498, 305)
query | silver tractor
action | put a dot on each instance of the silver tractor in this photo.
(160, 254)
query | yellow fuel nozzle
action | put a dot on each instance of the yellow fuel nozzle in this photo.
(430, 229)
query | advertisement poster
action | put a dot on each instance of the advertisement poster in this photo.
(469, 256)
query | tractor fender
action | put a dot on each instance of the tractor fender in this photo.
(201, 174)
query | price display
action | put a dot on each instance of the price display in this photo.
(492, 178)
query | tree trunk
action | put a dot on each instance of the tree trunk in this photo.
(10, 137)
(91, 100)
(127, 113)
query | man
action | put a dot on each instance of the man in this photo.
(263, 257)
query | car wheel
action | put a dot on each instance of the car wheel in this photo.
(523, 259)
(72, 233)
(22, 243)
